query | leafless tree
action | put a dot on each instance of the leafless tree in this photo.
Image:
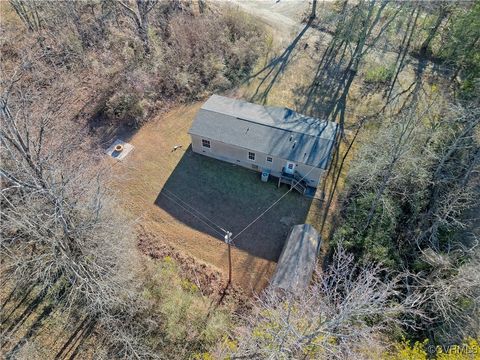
(28, 12)
(393, 148)
(442, 10)
(74, 14)
(368, 34)
(454, 175)
(452, 294)
(139, 15)
(341, 315)
(403, 50)
(60, 230)
(419, 172)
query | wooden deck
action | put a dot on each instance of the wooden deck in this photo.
(296, 182)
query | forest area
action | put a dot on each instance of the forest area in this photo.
(401, 276)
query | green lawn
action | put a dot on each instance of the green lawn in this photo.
(232, 197)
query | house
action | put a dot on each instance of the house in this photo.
(297, 260)
(273, 140)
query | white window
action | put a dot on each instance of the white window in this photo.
(206, 143)
(269, 159)
(251, 156)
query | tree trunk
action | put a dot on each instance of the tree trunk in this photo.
(425, 48)
(140, 18)
(28, 14)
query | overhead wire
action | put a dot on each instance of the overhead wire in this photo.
(195, 210)
(192, 213)
(198, 214)
(272, 205)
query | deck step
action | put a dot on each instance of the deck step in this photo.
(296, 182)
(300, 188)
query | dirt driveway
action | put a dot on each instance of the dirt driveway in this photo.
(183, 198)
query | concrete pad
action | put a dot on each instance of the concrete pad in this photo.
(127, 148)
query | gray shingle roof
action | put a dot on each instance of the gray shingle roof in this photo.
(276, 131)
(297, 260)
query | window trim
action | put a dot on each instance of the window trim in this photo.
(271, 159)
(254, 156)
(290, 167)
(204, 142)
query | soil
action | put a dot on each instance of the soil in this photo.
(209, 280)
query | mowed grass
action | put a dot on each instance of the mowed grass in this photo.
(225, 196)
(172, 194)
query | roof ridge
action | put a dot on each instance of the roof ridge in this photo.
(271, 126)
(267, 125)
(280, 118)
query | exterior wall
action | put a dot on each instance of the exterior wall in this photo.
(239, 156)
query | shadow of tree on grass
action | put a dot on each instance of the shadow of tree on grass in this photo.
(271, 72)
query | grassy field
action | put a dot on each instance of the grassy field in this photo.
(230, 197)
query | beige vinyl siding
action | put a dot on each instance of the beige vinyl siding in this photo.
(239, 156)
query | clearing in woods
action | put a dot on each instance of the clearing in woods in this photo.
(185, 199)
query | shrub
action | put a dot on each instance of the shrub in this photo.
(379, 74)
(125, 107)
(405, 350)
(376, 243)
(209, 53)
(195, 56)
